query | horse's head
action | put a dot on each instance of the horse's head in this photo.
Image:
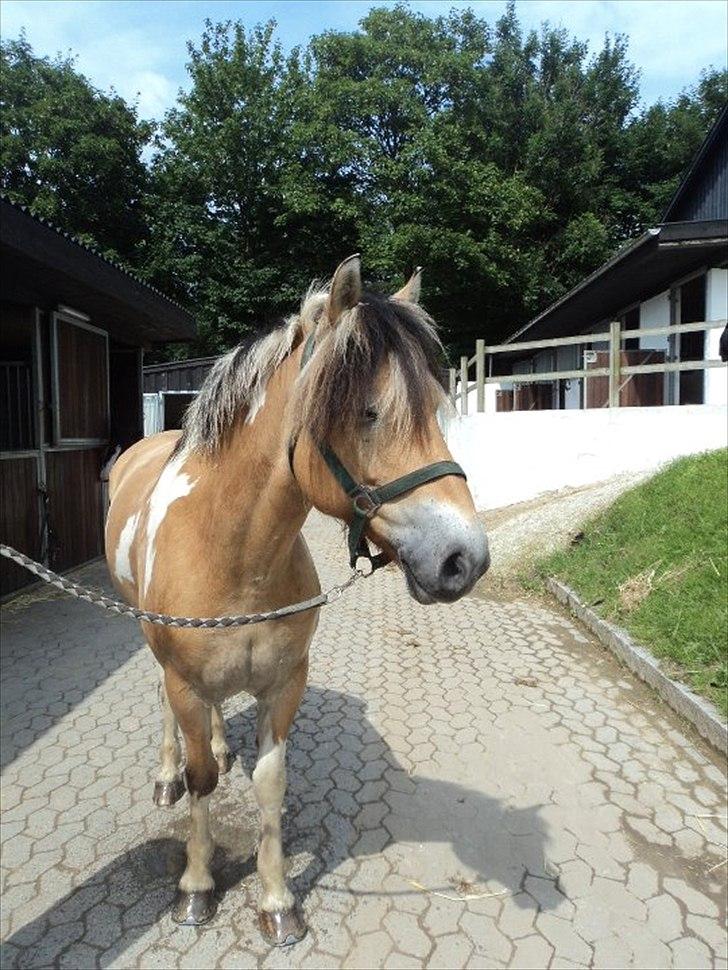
(368, 394)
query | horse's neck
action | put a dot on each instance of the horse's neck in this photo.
(253, 507)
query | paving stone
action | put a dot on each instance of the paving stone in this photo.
(691, 954)
(533, 951)
(551, 827)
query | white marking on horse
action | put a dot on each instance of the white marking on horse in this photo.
(171, 485)
(122, 562)
(269, 780)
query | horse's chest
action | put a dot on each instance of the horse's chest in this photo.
(254, 661)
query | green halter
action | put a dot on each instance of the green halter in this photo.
(366, 500)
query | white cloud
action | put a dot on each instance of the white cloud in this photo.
(139, 47)
(143, 65)
(153, 92)
(670, 41)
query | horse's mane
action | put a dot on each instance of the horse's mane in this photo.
(339, 381)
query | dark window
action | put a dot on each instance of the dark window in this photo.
(631, 321)
(17, 432)
(692, 345)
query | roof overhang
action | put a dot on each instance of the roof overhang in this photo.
(43, 267)
(640, 270)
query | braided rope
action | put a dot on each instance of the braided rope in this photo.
(163, 619)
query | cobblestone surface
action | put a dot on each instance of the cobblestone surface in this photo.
(474, 785)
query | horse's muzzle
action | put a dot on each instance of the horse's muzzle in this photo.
(447, 578)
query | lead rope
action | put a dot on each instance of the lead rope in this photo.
(163, 619)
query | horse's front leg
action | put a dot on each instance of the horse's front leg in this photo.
(195, 901)
(169, 786)
(280, 920)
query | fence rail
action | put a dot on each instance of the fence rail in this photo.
(460, 385)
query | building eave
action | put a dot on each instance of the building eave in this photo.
(44, 266)
(638, 271)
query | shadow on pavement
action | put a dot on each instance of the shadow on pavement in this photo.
(348, 797)
(56, 651)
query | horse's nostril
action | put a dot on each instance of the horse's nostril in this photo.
(453, 567)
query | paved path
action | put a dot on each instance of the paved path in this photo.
(554, 811)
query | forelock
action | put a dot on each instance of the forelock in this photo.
(340, 379)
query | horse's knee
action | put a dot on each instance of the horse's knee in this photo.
(202, 777)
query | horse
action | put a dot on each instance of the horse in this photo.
(207, 521)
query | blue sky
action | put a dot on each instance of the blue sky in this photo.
(138, 46)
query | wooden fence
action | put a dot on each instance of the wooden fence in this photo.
(460, 384)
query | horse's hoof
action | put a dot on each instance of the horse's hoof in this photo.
(282, 928)
(225, 761)
(166, 793)
(194, 909)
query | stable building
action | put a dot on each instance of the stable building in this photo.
(676, 272)
(169, 389)
(73, 330)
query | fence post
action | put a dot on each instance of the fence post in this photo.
(480, 374)
(452, 390)
(615, 361)
(463, 385)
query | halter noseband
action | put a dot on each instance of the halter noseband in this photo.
(366, 500)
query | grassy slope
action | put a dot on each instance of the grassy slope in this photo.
(675, 524)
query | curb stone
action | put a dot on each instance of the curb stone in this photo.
(701, 713)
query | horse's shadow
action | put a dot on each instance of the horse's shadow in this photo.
(348, 796)
(358, 799)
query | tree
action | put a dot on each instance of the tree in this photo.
(71, 153)
(240, 210)
(659, 146)
(509, 164)
(477, 152)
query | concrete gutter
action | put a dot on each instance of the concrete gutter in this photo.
(700, 712)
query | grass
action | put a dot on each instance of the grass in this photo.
(656, 562)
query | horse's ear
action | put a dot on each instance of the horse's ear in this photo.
(410, 292)
(345, 291)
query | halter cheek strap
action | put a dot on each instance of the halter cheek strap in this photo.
(366, 500)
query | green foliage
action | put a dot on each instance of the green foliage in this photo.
(71, 153)
(667, 541)
(240, 210)
(508, 164)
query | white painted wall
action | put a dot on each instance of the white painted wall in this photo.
(512, 457)
(716, 308)
(655, 313)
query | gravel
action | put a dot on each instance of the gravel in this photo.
(520, 533)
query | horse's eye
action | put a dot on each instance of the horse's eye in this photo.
(370, 416)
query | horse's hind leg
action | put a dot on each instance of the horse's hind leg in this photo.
(169, 786)
(195, 901)
(280, 921)
(223, 754)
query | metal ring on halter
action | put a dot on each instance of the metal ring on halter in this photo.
(365, 504)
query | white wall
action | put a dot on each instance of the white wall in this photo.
(655, 313)
(716, 308)
(515, 456)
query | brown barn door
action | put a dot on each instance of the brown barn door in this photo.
(80, 396)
